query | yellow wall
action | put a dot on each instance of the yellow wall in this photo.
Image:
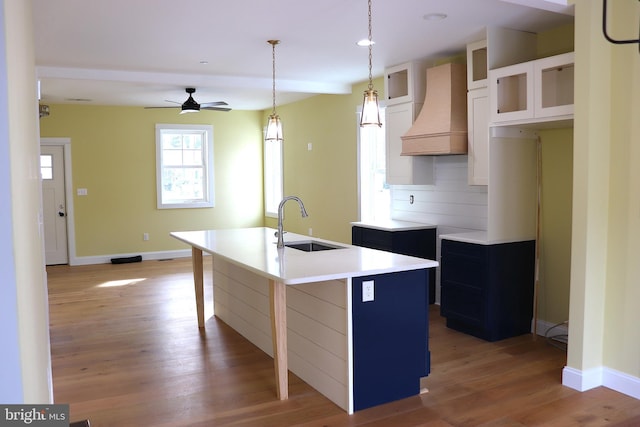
(606, 222)
(556, 41)
(555, 237)
(555, 246)
(325, 178)
(113, 156)
(622, 317)
(557, 167)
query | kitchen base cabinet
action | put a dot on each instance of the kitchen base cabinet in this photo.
(420, 243)
(487, 290)
(390, 337)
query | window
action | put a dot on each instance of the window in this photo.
(46, 166)
(273, 183)
(375, 199)
(184, 166)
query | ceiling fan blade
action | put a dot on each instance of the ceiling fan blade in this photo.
(215, 108)
(146, 108)
(212, 104)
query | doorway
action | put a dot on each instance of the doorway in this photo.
(57, 200)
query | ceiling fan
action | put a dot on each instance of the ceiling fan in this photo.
(191, 106)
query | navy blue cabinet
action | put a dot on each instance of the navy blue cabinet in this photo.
(390, 337)
(487, 290)
(419, 243)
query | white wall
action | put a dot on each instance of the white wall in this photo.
(25, 369)
(451, 203)
(11, 384)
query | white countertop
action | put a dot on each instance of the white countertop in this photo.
(255, 249)
(479, 238)
(393, 225)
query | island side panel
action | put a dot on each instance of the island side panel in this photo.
(390, 336)
(318, 337)
(316, 324)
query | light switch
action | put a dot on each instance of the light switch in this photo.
(367, 291)
(82, 191)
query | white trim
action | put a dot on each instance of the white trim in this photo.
(601, 376)
(349, 290)
(208, 200)
(265, 171)
(582, 380)
(621, 382)
(146, 256)
(68, 193)
(498, 131)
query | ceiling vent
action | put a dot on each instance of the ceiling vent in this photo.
(441, 126)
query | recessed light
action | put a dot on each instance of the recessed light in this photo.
(365, 43)
(204, 62)
(434, 16)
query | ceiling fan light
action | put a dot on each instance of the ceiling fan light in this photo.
(189, 110)
(190, 105)
(274, 128)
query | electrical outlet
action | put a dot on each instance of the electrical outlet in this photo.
(145, 236)
(367, 291)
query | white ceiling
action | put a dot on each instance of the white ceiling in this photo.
(143, 52)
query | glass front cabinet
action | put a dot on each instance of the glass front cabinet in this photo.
(537, 90)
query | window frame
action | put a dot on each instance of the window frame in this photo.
(48, 167)
(271, 200)
(374, 202)
(208, 182)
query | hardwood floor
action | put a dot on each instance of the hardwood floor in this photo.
(126, 351)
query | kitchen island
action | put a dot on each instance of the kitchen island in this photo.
(350, 321)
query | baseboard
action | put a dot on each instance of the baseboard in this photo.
(582, 380)
(594, 377)
(621, 382)
(106, 259)
(601, 376)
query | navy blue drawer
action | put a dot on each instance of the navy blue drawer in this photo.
(463, 303)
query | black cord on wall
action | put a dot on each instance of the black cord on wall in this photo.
(606, 34)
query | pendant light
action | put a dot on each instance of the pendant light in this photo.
(274, 126)
(370, 110)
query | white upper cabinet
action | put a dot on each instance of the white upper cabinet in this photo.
(554, 77)
(405, 83)
(477, 67)
(404, 170)
(533, 92)
(478, 118)
(405, 88)
(511, 90)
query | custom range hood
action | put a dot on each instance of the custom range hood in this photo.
(441, 126)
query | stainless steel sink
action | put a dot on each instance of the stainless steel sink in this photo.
(312, 246)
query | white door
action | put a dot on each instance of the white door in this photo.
(54, 204)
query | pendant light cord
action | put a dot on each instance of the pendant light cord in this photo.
(370, 50)
(273, 57)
